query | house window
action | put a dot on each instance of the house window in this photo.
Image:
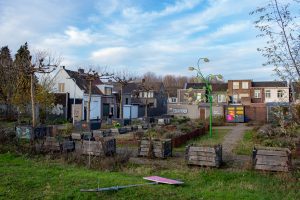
(61, 87)
(245, 85)
(126, 101)
(145, 94)
(235, 98)
(257, 94)
(279, 93)
(236, 85)
(173, 99)
(268, 94)
(151, 105)
(221, 98)
(150, 95)
(198, 96)
(108, 90)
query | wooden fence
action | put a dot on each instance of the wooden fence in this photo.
(182, 139)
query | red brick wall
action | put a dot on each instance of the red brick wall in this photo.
(256, 112)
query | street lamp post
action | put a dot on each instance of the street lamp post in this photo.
(208, 88)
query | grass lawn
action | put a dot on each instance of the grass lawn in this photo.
(217, 138)
(23, 178)
(245, 146)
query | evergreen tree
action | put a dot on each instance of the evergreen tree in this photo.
(7, 80)
(22, 63)
(6, 75)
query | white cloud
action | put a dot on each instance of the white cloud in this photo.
(110, 55)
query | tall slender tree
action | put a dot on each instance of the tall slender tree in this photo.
(7, 79)
(22, 64)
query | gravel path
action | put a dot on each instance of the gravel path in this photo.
(231, 140)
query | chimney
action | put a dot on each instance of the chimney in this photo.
(81, 71)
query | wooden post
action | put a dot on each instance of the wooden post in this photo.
(121, 102)
(32, 100)
(88, 114)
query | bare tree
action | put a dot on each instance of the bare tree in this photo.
(151, 77)
(145, 87)
(277, 23)
(90, 77)
(122, 78)
(43, 63)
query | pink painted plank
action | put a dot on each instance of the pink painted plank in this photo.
(159, 179)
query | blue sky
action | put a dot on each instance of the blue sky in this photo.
(161, 36)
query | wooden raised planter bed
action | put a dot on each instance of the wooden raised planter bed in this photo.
(272, 159)
(52, 144)
(155, 148)
(107, 146)
(204, 155)
(68, 145)
(182, 139)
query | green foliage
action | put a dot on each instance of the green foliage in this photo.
(180, 120)
(7, 76)
(57, 121)
(44, 96)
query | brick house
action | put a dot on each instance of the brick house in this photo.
(258, 98)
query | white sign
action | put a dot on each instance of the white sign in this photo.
(179, 111)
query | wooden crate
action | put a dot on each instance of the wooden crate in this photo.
(68, 145)
(107, 146)
(155, 148)
(52, 144)
(272, 159)
(204, 155)
(76, 136)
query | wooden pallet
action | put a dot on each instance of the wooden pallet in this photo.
(272, 159)
(204, 155)
(155, 148)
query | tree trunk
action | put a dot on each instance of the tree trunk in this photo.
(89, 103)
(121, 103)
(32, 100)
(146, 106)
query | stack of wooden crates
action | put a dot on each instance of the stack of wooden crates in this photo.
(103, 147)
(158, 148)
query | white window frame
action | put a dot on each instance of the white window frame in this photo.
(281, 94)
(61, 87)
(257, 94)
(245, 85)
(221, 98)
(199, 97)
(235, 85)
(108, 90)
(150, 94)
(267, 94)
(235, 98)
